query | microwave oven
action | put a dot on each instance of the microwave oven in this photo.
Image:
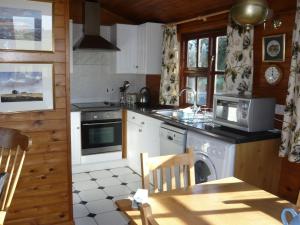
(244, 112)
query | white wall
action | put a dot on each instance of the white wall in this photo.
(93, 77)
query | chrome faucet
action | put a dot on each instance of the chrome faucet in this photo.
(195, 108)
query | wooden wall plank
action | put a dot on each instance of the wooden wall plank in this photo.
(44, 193)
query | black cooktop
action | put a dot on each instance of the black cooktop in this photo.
(97, 105)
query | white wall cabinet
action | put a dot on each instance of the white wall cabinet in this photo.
(125, 38)
(142, 136)
(141, 48)
(150, 38)
(76, 137)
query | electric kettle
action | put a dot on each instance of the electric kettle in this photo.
(144, 97)
(295, 217)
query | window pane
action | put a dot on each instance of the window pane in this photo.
(203, 52)
(192, 53)
(201, 90)
(221, 53)
(191, 83)
(219, 83)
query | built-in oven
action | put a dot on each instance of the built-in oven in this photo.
(101, 132)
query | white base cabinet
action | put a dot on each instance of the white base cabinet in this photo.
(76, 137)
(142, 136)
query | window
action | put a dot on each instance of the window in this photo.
(203, 62)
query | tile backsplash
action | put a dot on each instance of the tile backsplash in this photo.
(94, 77)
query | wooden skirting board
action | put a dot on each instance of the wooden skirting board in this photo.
(258, 163)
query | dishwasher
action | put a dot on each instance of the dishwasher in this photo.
(172, 142)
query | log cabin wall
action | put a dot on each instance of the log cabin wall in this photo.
(43, 195)
(289, 184)
(106, 17)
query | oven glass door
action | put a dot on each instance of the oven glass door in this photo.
(101, 136)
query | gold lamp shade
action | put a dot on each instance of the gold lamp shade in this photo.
(249, 12)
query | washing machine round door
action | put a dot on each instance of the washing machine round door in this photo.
(204, 168)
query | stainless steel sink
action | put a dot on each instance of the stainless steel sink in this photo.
(190, 118)
(172, 113)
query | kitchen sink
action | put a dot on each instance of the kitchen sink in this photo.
(184, 117)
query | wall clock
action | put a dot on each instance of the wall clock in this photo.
(273, 74)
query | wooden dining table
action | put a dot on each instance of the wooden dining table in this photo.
(228, 201)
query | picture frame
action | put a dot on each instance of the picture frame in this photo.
(26, 25)
(273, 48)
(26, 87)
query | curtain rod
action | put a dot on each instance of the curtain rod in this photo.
(204, 18)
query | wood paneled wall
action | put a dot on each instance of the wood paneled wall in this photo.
(106, 17)
(289, 184)
(43, 195)
(153, 83)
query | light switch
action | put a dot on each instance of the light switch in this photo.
(279, 109)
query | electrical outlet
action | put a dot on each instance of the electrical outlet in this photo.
(279, 109)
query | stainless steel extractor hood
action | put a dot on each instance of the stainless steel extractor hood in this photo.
(92, 39)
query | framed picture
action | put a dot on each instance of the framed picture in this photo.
(274, 48)
(26, 87)
(26, 25)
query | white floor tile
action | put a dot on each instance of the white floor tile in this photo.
(111, 218)
(117, 190)
(80, 211)
(101, 174)
(111, 181)
(80, 177)
(121, 170)
(129, 178)
(101, 206)
(85, 221)
(76, 199)
(85, 185)
(92, 195)
(120, 197)
(134, 186)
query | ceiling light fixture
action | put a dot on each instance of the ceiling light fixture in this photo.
(249, 13)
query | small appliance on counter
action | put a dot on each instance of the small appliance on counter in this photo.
(131, 98)
(144, 97)
(244, 113)
(123, 92)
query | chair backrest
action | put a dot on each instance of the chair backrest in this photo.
(146, 215)
(13, 148)
(183, 163)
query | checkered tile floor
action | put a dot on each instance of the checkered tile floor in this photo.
(94, 194)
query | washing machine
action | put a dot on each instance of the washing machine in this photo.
(214, 158)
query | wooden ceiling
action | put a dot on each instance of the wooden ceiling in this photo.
(165, 11)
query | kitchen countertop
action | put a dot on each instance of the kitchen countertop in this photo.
(211, 129)
(206, 128)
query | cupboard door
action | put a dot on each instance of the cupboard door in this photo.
(125, 37)
(75, 138)
(133, 148)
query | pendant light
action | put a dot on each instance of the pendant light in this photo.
(250, 12)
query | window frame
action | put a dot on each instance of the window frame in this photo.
(209, 72)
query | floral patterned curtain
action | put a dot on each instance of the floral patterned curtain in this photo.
(290, 137)
(169, 85)
(239, 60)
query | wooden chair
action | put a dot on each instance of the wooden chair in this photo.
(185, 163)
(146, 215)
(13, 148)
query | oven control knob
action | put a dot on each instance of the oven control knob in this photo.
(95, 117)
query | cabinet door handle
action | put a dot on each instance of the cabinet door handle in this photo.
(77, 128)
(170, 138)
